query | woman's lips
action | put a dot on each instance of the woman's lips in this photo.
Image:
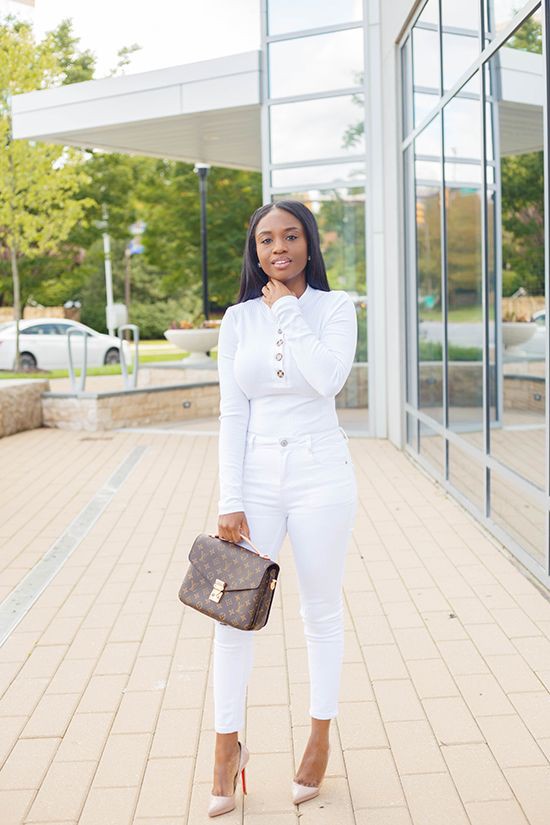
(282, 264)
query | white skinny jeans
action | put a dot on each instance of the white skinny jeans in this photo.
(305, 485)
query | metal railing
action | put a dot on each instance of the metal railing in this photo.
(78, 384)
(83, 372)
(130, 381)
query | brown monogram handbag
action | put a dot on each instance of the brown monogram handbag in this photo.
(229, 583)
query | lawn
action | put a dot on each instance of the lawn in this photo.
(110, 369)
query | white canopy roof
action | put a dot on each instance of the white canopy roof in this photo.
(206, 112)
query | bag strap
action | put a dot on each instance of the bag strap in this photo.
(246, 538)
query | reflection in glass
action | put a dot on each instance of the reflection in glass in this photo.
(319, 63)
(411, 325)
(459, 51)
(424, 103)
(463, 15)
(462, 129)
(462, 134)
(428, 143)
(431, 447)
(460, 48)
(466, 475)
(289, 15)
(514, 117)
(340, 214)
(412, 428)
(322, 128)
(311, 175)
(427, 148)
(425, 60)
(499, 13)
(512, 510)
(430, 323)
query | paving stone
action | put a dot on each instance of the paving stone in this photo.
(106, 699)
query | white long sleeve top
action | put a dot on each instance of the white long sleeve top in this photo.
(280, 368)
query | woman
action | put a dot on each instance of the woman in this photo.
(285, 350)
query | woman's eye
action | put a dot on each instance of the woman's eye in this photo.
(292, 237)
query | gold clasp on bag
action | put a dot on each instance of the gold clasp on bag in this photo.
(217, 590)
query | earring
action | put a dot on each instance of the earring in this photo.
(259, 264)
(309, 257)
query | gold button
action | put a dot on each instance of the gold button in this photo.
(279, 356)
(280, 342)
(280, 373)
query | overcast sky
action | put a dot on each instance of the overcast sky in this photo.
(170, 32)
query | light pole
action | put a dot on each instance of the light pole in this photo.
(104, 224)
(201, 169)
(135, 247)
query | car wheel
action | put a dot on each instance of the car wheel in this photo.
(112, 356)
(27, 362)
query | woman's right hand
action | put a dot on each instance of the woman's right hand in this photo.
(231, 525)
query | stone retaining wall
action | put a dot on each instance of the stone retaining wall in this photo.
(134, 408)
(524, 392)
(21, 405)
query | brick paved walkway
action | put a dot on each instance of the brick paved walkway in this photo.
(106, 702)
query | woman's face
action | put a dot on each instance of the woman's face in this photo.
(281, 245)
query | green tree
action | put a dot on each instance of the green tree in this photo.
(528, 38)
(166, 279)
(39, 183)
(168, 195)
(522, 178)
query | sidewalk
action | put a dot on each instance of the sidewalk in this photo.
(105, 684)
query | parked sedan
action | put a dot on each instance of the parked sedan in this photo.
(43, 345)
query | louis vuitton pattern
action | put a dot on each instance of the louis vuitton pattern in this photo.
(248, 582)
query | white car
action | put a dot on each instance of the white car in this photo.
(43, 345)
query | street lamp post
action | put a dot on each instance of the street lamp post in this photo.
(104, 224)
(201, 169)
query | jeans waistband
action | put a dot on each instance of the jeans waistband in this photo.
(306, 439)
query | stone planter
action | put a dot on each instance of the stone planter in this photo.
(515, 333)
(197, 342)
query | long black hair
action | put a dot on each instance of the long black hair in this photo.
(253, 278)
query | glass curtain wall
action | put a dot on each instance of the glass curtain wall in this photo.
(474, 164)
(315, 147)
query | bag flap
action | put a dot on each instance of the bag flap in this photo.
(238, 567)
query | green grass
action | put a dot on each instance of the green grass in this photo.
(460, 315)
(433, 351)
(109, 369)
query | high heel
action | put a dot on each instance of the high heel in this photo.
(301, 793)
(224, 804)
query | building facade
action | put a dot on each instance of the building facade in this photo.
(417, 133)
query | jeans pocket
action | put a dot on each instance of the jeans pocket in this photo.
(331, 454)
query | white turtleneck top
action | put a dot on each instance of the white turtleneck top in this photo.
(280, 368)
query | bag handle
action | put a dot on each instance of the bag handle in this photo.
(246, 538)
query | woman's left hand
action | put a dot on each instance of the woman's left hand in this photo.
(274, 290)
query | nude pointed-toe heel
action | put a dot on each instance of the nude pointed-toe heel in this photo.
(224, 804)
(301, 793)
